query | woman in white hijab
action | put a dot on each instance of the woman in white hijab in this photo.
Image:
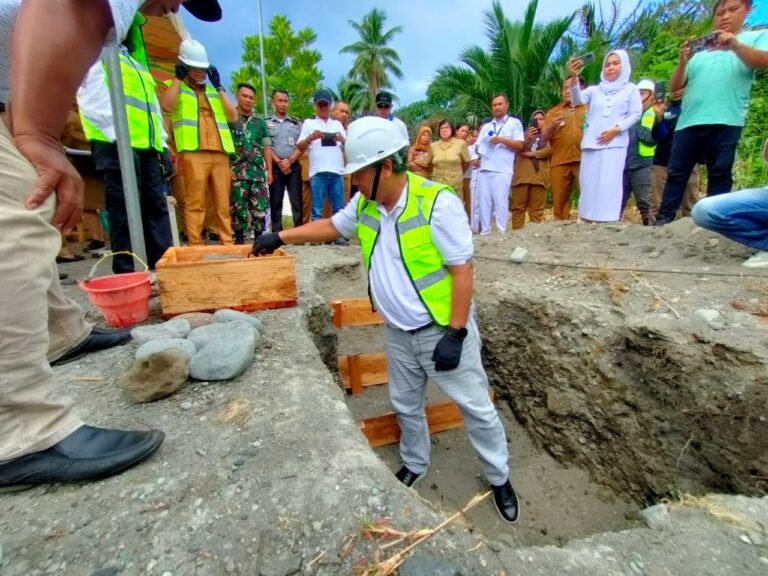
(614, 107)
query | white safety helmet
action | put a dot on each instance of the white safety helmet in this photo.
(370, 140)
(193, 54)
(646, 85)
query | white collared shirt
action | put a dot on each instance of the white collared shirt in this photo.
(498, 157)
(393, 292)
(323, 158)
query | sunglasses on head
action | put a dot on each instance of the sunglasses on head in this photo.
(382, 105)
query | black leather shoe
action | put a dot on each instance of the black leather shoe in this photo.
(505, 500)
(87, 454)
(407, 477)
(98, 339)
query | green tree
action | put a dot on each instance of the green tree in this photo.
(290, 61)
(374, 60)
(519, 62)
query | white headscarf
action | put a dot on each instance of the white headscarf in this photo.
(626, 70)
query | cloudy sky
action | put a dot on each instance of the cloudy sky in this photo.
(434, 31)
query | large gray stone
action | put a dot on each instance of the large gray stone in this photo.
(172, 329)
(154, 346)
(157, 376)
(226, 355)
(225, 316)
(200, 337)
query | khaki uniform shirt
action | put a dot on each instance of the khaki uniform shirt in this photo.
(447, 158)
(566, 140)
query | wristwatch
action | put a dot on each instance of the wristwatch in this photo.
(458, 333)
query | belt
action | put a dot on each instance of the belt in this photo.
(420, 328)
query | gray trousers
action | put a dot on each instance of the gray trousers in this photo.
(410, 365)
(638, 181)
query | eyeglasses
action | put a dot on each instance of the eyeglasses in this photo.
(382, 106)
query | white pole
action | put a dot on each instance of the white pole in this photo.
(261, 54)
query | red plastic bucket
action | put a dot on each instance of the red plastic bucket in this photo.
(123, 299)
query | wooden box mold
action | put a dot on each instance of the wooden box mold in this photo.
(208, 278)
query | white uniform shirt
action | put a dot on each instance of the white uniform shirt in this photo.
(94, 102)
(392, 290)
(123, 12)
(323, 158)
(497, 157)
(401, 126)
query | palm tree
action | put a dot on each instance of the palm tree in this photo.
(374, 59)
(518, 63)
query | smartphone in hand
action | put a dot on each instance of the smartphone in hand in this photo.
(586, 59)
(660, 91)
(702, 43)
(328, 139)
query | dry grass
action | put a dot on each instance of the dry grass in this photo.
(237, 412)
(616, 288)
(710, 505)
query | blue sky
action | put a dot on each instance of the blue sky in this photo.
(434, 32)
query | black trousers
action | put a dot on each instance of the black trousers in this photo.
(154, 207)
(711, 144)
(280, 182)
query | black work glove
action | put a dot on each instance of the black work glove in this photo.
(214, 77)
(447, 354)
(266, 243)
(181, 71)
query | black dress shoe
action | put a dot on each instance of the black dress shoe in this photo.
(87, 454)
(98, 339)
(505, 500)
(407, 477)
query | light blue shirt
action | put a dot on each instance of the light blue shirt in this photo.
(717, 85)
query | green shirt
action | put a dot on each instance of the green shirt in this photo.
(717, 85)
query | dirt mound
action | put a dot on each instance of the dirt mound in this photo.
(628, 350)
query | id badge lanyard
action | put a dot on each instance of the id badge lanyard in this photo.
(495, 131)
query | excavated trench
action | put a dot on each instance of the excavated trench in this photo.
(561, 502)
(609, 404)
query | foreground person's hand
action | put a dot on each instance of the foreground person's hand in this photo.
(55, 174)
(447, 353)
(266, 243)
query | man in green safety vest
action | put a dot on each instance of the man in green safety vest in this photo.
(638, 167)
(201, 114)
(147, 137)
(417, 250)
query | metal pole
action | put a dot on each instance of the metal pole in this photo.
(125, 152)
(261, 54)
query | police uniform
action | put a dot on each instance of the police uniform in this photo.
(284, 134)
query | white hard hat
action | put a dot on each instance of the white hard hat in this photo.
(192, 53)
(646, 85)
(369, 140)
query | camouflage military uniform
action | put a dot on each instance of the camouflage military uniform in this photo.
(250, 193)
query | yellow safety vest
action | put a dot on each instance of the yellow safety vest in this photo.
(423, 261)
(186, 120)
(647, 121)
(141, 107)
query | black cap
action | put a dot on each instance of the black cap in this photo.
(205, 10)
(323, 95)
(384, 98)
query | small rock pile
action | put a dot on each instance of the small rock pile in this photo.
(217, 346)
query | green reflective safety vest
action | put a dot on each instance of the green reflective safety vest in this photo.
(423, 261)
(186, 120)
(647, 121)
(141, 107)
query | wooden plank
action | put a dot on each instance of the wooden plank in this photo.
(354, 312)
(355, 382)
(372, 367)
(383, 430)
(189, 281)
